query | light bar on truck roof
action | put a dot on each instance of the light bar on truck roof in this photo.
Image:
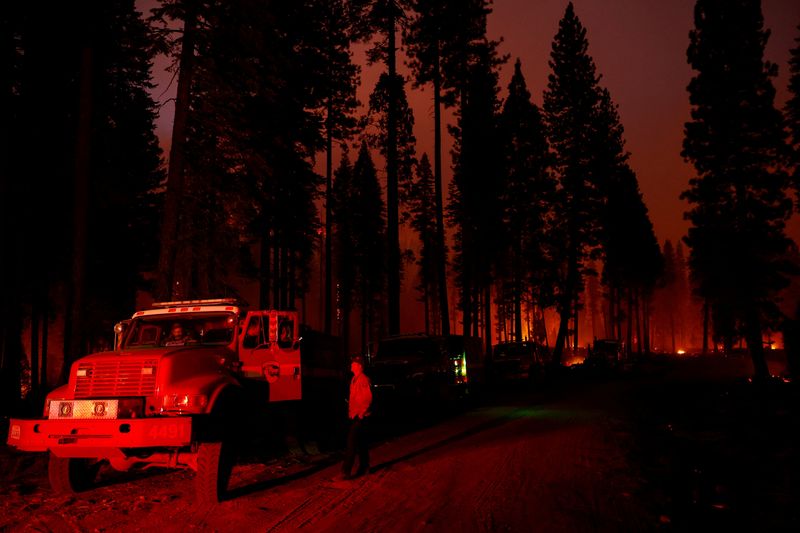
(164, 311)
(184, 303)
(191, 306)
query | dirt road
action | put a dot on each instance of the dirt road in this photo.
(521, 462)
(676, 444)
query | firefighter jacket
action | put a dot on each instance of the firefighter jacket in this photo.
(360, 396)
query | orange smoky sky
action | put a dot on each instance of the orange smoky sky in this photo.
(639, 49)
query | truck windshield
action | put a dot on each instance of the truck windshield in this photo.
(179, 330)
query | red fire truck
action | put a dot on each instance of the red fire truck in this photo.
(173, 393)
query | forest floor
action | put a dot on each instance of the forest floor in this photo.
(672, 444)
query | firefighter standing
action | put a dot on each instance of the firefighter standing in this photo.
(358, 412)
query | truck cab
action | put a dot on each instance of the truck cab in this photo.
(170, 394)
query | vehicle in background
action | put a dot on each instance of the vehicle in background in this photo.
(604, 353)
(427, 367)
(517, 361)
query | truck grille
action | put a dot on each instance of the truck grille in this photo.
(110, 379)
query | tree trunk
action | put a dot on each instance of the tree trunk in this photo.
(175, 172)
(518, 293)
(487, 318)
(264, 274)
(466, 302)
(646, 325)
(364, 315)
(611, 322)
(285, 280)
(10, 356)
(791, 344)
(426, 304)
(440, 255)
(706, 313)
(630, 323)
(565, 314)
(637, 301)
(292, 274)
(35, 313)
(328, 222)
(575, 322)
(74, 334)
(45, 386)
(276, 273)
(544, 327)
(755, 344)
(392, 207)
(476, 311)
(203, 262)
(563, 330)
(346, 331)
(672, 330)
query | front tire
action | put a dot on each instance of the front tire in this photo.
(214, 466)
(71, 475)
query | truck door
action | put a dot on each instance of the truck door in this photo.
(254, 348)
(269, 351)
(287, 384)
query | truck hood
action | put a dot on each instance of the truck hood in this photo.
(147, 371)
(157, 353)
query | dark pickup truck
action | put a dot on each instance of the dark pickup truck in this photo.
(604, 353)
(427, 367)
(517, 361)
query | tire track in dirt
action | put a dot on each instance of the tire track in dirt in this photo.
(327, 499)
(429, 465)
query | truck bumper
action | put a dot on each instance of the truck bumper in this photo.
(82, 438)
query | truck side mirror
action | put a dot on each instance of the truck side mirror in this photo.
(119, 332)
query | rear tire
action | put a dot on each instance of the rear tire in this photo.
(71, 475)
(214, 466)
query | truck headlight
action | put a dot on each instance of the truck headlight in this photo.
(184, 401)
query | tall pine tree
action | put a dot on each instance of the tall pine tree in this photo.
(528, 191)
(335, 29)
(441, 36)
(423, 221)
(475, 207)
(384, 18)
(570, 104)
(792, 111)
(359, 231)
(736, 142)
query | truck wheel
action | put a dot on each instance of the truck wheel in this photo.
(214, 466)
(71, 475)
